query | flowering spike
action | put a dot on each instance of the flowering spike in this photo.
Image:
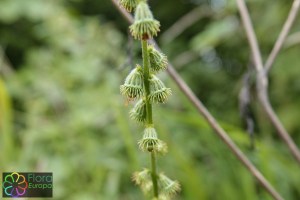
(129, 5)
(158, 61)
(142, 84)
(168, 186)
(133, 86)
(138, 113)
(159, 93)
(144, 26)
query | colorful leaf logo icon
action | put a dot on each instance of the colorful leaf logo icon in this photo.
(15, 185)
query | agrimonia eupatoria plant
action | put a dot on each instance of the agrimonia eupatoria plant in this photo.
(146, 88)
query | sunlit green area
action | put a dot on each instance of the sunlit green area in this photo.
(61, 65)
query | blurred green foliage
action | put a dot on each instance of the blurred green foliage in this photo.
(60, 108)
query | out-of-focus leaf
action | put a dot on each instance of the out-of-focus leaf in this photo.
(214, 34)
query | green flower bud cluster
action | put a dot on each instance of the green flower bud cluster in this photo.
(144, 26)
(159, 93)
(138, 113)
(158, 61)
(146, 88)
(169, 187)
(133, 87)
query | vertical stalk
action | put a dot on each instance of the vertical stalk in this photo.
(149, 121)
(154, 174)
(146, 81)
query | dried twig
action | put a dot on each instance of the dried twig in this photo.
(282, 36)
(213, 123)
(262, 81)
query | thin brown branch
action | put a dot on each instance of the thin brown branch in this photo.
(282, 36)
(214, 124)
(125, 14)
(261, 81)
(250, 35)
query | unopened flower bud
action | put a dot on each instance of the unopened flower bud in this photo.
(138, 112)
(158, 91)
(129, 5)
(141, 176)
(168, 186)
(158, 61)
(144, 26)
(149, 141)
(161, 147)
(143, 179)
(133, 86)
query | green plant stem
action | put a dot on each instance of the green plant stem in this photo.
(146, 81)
(154, 173)
(149, 121)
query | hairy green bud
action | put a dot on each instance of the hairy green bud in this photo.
(142, 176)
(158, 60)
(143, 179)
(129, 5)
(138, 113)
(144, 26)
(150, 142)
(168, 186)
(158, 91)
(133, 86)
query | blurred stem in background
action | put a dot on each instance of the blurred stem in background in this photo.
(6, 136)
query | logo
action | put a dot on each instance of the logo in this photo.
(27, 184)
(15, 185)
